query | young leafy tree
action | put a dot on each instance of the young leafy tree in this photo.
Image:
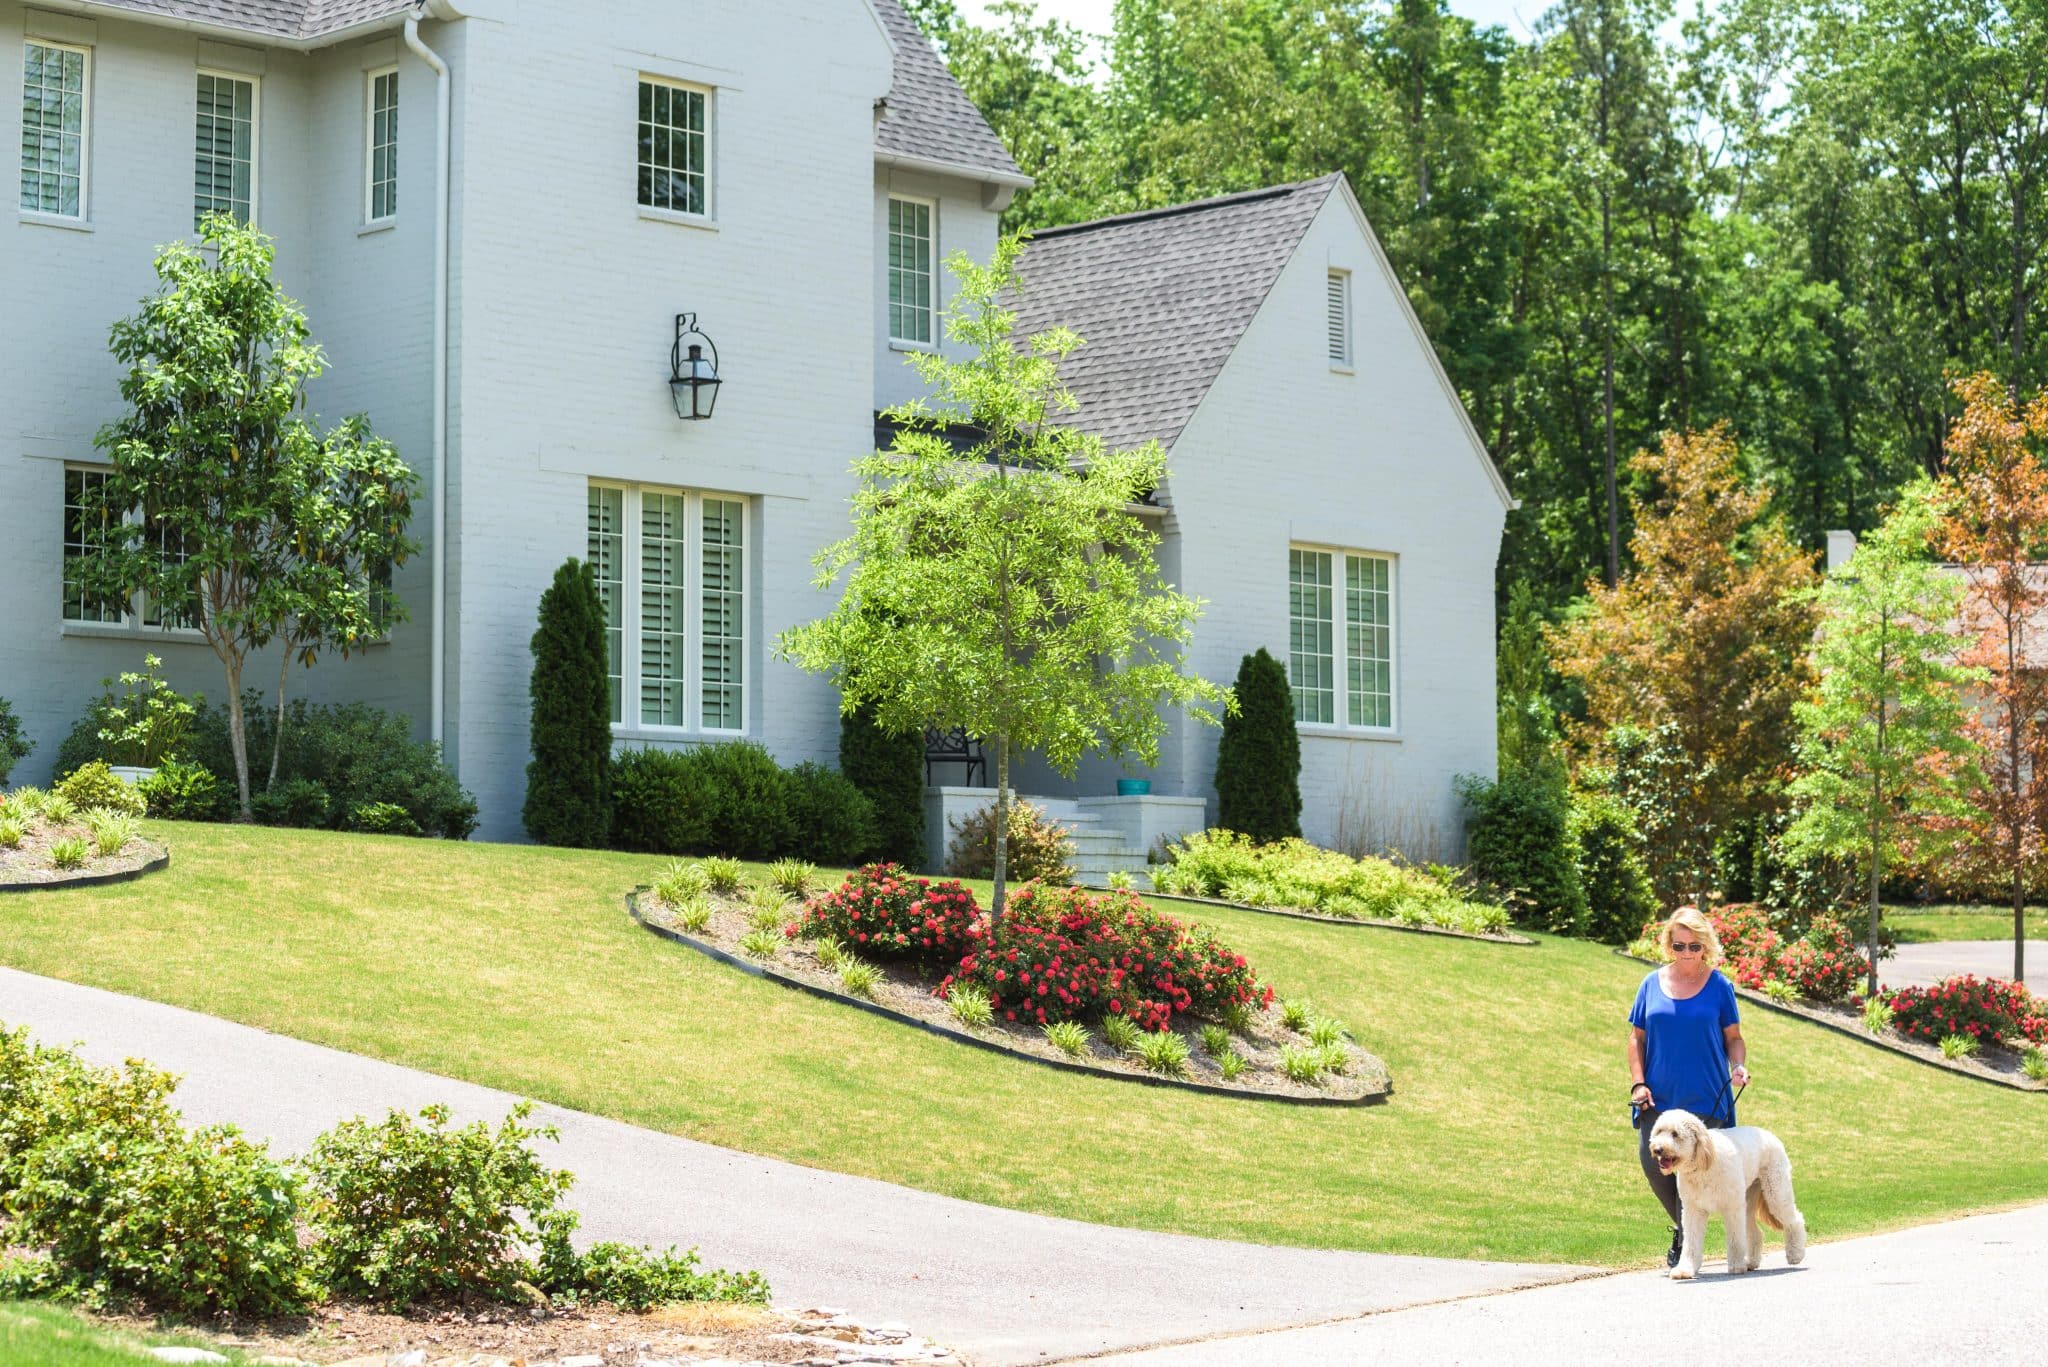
(1996, 528)
(1001, 583)
(223, 506)
(1883, 738)
(1258, 761)
(568, 781)
(1708, 634)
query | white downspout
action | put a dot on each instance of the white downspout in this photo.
(444, 100)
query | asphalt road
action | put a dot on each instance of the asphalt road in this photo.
(1002, 1286)
(1924, 965)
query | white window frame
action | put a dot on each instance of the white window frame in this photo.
(1343, 723)
(84, 214)
(930, 342)
(133, 620)
(255, 84)
(370, 80)
(1337, 320)
(709, 216)
(630, 721)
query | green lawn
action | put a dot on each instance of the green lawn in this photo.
(50, 1336)
(1925, 925)
(518, 968)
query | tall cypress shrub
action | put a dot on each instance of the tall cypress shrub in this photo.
(890, 771)
(568, 781)
(1258, 763)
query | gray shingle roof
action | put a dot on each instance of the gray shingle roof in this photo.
(272, 18)
(929, 116)
(1160, 300)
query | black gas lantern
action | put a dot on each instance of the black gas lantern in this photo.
(692, 379)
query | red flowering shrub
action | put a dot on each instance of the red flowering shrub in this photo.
(1989, 1010)
(883, 913)
(1749, 945)
(1827, 965)
(1067, 954)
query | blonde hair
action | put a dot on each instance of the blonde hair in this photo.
(1690, 918)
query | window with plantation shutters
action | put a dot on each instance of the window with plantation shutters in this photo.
(1339, 319)
(224, 148)
(671, 571)
(1340, 664)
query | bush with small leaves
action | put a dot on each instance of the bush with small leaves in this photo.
(639, 1279)
(831, 820)
(1301, 1065)
(1232, 1065)
(1296, 1015)
(2034, 1063)
(300, 803)
(723, 875)
(793, 876)
(1120, 1033)
(1215, 1041)
(1038, 847)
(970, 1005)
(1069, 1037)
(380, 818)
(857, 976)
(111, 831)
(1164, 1051)
(94, 785)
(70, 853)
(178, 791)
(760, 944)
(1877, 1015)
(1958, 1046)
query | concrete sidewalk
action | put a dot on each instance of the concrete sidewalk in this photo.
(1960, 1292)
(948, 1268)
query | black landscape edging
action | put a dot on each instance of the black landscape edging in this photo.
(1851, 1032)
(88, 880)
(962, 1037)
(1509, 939)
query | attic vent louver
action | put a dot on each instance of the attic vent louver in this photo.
(1340, 318)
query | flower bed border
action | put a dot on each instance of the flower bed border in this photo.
(87, 880)
(993, 1046)
(1827, 1022)
(1511, 938)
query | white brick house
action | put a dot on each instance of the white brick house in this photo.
(790, 171)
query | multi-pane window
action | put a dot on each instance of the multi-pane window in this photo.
(381, 161)
(910, 271)
(53, 111)
(85, 534)
(1339, 318)
(674, 148)
(1340, 609)
(224, 148)
(680, 660)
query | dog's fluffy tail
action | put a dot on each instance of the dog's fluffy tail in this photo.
(1777, 1208)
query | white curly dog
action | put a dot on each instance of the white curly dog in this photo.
(1740, 1174)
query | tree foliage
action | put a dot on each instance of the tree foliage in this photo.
(889, 769)
(568, 780)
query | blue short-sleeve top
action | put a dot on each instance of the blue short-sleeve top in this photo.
(1685, 1053)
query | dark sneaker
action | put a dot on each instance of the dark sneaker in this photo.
(1677, 1247)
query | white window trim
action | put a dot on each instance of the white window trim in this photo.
(1340, 645)
(1347, 364)
(709, 218)
(629, 723)
(255, 84)
(83, 218)
(931, 268)
(131, 623)
(371, 219)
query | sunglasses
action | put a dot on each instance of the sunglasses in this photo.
(1684, 947)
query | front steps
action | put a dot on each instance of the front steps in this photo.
(1109, 834)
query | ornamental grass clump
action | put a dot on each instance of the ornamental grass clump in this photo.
(1120, 1033)
(1296, 1014)
(1958, 1046)
(70, 853)
(883, 912)
(723, 875)
(1232, 1065)
(1215, 1041)
(27, 801)
(111, 831)
(1327, 1031)
(1164, 1052)
(1069, 1037)
(793, 876)
(760, 944)
(1877, 1015)
(2034, 1063)
(12, 831)
(681, 882)
(693, 914)
(857, 976)
(970, 1006)
(1302, 1065)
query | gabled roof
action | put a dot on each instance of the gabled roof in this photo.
(270, 18)
(928, 117)
(1161, 299)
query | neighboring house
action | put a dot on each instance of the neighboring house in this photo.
(792, 172)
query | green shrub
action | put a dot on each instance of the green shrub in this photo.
(58, 810)
(300, 802)
(729, 798)
(381, 818)
(14, 747)
(681, 882)
(889, 771)
(179, 791)
(1877, 1015)
(971, 1006)
(144, 722)
(1520, 841)
(1611, 868)
(111, 831)
(658, 803)
(1302, 1065)
(1958, 1046)
(1231, 1064)
(1215, 1041)
(723, 875)
(1258, 759)
(1120, 1033)
(640, 1279)
(1325, 1031)
(1164, 1051)
(568, 780)
(27, 801)
(831, 821)
(1038, 847)
(762, 944)
(95, 785)
(1294, 873)
(693, 914)
(70, 853)
(2034, 1063)
(749, 793)
(1069, 1037)
(793, 876)
(1335, 1059)
(1780, 991)
(12, 830)
(1296, 1014)
(857, 976)
(408, 1210)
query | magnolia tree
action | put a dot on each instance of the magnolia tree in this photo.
(996, 578)
(1996, 530)
(1887, 760)
(223, 507)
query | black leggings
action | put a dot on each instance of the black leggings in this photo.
(1663, 1185)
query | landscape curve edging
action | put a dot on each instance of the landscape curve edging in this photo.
(1750, 994)
(90, 880)
(962, 1037)
(1321, 919)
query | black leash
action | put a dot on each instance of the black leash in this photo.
(1635, 1116)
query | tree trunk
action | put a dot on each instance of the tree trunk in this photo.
(2019, 927)
(995, 906)
(238, 738)
(277, 733)
(1607, 403)
(1876, 848)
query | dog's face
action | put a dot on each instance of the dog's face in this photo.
(1679, 1142)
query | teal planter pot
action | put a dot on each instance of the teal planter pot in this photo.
(1133, 787)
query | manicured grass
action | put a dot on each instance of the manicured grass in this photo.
(1926, 925)
(50, 1336)
(1506, 1138)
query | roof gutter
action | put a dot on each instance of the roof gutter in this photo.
(443, 158)
(998, 188)
(102, 9)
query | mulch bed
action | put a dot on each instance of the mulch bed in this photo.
(1996, 1064)
(1507, 937)
(903, 994)
(27, 866)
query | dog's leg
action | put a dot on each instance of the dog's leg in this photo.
(1692, 1252)
(1775, 1179)
(1753, 1236)
(1733, 1222)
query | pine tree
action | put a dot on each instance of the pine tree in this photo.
(568, 782)
(890, 771)
(1258, 763)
